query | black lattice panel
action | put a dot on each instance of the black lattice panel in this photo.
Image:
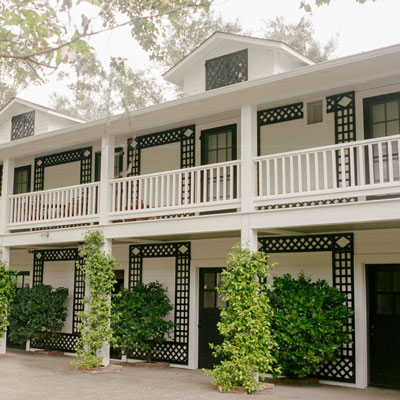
(311, 203)
(65, 342)
(343, 105)
(69, 254)
(185, 135)
(79, 295)
(275, 115)
(227, 70)
(83, 155)
(342, 248)
(23, 125)
(171, 352)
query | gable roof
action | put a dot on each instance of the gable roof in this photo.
(35, 106)
(172, 75)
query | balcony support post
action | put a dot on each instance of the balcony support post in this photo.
(248, 152)
(107, 173)
(8, 187)
(5, 257)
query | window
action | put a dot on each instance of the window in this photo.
(22, 179)
(218, 144)
(314, 112)
(382, 118)
(227, 70)
(118, 164)
(23, 279)
(23, 125)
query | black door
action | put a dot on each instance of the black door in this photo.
(384, 324)
(209, 310)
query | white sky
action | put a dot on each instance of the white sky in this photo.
(360, 28)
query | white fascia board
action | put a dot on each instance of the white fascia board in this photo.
(38, 107)
(221, 96)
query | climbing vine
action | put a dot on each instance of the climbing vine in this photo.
(8, 284)
(245, 323)
(99, 279)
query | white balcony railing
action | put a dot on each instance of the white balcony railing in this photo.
(360, 168)
(212, 187)
(79, 202)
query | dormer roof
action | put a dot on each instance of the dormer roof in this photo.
(177, 72)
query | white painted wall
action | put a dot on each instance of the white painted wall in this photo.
(62, 175)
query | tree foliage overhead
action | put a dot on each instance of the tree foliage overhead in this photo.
(307, 4)
(301, 37)
(189, 30)
(37, 36)
(96, 93)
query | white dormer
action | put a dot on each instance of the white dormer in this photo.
(224, 59)
(21, 118)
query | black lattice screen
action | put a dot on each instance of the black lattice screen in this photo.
(23, 125)
(83, 155)
(176, 352)
(184, 135)
(63, 342)
(280, 114)
(343, 105)
(227, 70)
(341, 246)
(41, 256)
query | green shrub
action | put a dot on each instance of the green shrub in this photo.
(38, 313)
(8, 283)
(307, 324)
(245, 323)
(95, 329)
(139, 318)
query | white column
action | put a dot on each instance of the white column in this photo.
(8, 187)
(248, 149)
(5, 257)
(248, 236)
(104, 352)
(107, 173)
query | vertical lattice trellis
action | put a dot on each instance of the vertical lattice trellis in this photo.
(83, 155)
(341, 246)
(176, 352)
(41, 256)
(343, 105)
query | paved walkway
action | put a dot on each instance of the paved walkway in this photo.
(39, 377)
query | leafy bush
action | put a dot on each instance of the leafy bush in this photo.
(245, 323)
(307, 324)
(38, 313)
(139, 318)
(8, 283)
(95, 329)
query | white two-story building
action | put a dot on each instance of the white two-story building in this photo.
(266, 148)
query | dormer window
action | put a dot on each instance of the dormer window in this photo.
(23, 125)
(227, 70)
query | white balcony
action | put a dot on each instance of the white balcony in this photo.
(362, 168)
(206, 188)
(64, 206)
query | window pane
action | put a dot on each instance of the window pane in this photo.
(383, 304)
(378, 130)
(209, 280)
(314, 112)
(396, 281)
(392, 128)
(212, 142)
(212, 157)
(383, 281)
(209, 300)
(397, 304)
(222, 140)
(392, 110)
(378, 113)
(222, 155)
(229, 139)
(221, 303)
